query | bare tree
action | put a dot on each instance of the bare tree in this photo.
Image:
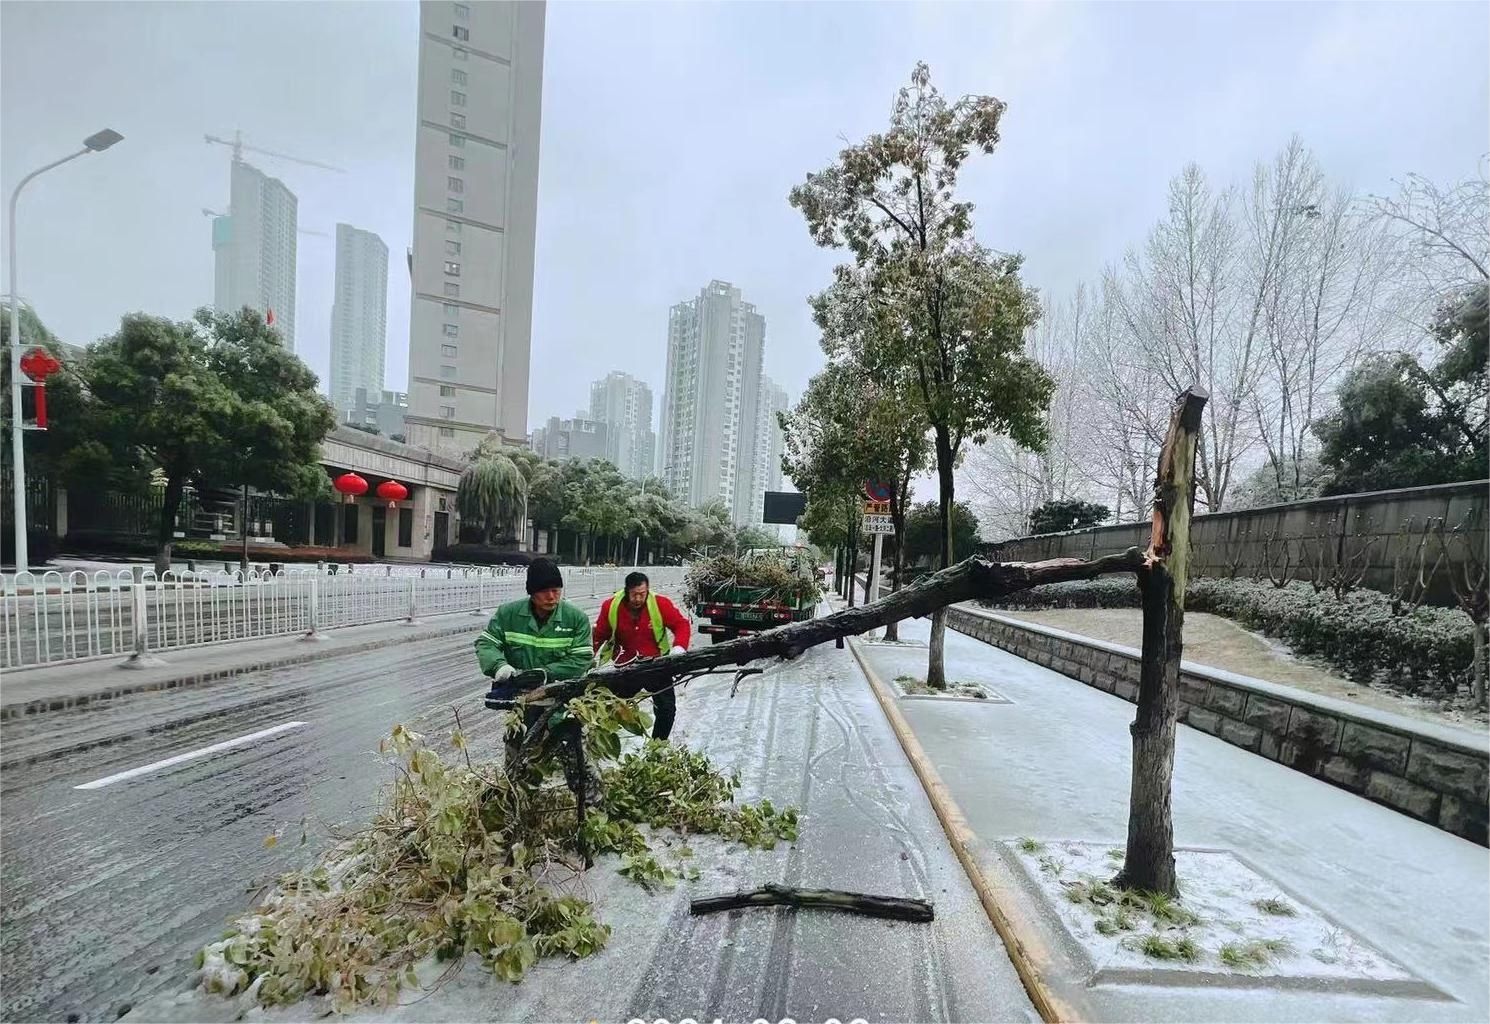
(1180, 302)
(1444, 232)
(1011, 481)
(1124, 425)
(1317, 271)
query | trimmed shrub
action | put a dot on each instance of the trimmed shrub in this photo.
(1430, 650)
(1103, 592)
(1427, 650)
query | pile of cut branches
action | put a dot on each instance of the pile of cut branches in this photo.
(462, 858)
(790, 578)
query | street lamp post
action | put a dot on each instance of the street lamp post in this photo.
(95, 143)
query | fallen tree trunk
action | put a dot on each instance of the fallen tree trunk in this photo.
(897, 908)
(973, 578)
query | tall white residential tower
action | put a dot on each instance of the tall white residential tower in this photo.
(254, 246)
(624, 405)
(475, 218)
(711, 403)
(359, 316)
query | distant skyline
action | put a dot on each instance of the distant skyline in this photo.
(671, 167)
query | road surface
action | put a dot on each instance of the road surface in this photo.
(108, 891)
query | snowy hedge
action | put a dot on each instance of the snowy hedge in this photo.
(1429, 650)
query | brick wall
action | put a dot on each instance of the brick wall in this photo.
(1417, 768)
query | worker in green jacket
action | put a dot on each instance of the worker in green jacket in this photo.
(542, 631)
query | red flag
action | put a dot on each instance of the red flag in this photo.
(269, 317)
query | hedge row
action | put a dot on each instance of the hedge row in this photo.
(482, 554)
(1430, 650)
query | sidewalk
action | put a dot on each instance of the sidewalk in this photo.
(1052, 763)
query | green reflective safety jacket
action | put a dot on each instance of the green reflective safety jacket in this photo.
(561, 646)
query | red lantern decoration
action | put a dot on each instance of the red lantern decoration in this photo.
(350, 485)
(39, 364)
(392, 492)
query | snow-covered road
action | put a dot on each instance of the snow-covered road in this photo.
(109, 891)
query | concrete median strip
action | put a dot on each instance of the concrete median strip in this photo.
(1022, 944)
(190, 755)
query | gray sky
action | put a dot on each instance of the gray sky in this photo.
(671, 134)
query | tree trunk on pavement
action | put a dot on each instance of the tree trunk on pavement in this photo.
(897, 518)
(1148, 863)
(166, 528)
(936, 673)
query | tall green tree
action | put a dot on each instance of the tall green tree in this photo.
(1400, 424)
(949, 311)
(853, 426)
(216, 401)
(491, 496)
(923, 531)
(1067, 514)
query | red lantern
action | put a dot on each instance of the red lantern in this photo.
(392, 492)
(350, 485)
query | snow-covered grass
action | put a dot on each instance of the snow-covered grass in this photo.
(1229, 920)
(910, 686)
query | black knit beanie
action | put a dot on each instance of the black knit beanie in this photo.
(543, 574)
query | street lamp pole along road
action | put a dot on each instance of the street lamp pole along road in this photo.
(95, 143)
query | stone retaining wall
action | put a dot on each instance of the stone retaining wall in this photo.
(1438, 774)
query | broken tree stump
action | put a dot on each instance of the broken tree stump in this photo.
(1148, 862)
(897, 908)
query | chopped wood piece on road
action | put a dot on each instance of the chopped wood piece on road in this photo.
(895, 907)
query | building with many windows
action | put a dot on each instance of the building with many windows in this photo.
(579, 438)
(254, 249)
(384, 411)
(359, 316)
(770, 443)
(475, 218)
(624, 405)
(712, 400)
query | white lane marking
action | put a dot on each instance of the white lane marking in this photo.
(203, 752)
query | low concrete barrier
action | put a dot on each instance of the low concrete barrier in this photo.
(1439, 774)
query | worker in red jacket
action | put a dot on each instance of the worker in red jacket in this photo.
(632, 624)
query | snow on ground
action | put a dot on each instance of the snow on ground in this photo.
(1245, 924)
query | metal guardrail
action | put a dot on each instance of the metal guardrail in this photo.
(54, 618)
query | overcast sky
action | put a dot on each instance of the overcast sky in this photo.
(672, 133)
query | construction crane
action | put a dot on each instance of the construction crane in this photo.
(237, 144)
(304, 231)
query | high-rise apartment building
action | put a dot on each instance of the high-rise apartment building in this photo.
(359, 316)
(624, 405)
(769, 441)
(254, 247)
(711, 402)
(475, 218)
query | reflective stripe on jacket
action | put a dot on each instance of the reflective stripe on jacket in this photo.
(560, 646)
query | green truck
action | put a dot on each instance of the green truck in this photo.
(762, 589)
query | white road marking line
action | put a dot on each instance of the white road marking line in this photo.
(204, 751)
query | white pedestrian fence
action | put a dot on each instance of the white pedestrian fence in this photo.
(52, 618)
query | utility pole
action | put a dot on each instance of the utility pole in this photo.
(95, 143)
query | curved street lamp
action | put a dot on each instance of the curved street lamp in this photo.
(95, 143)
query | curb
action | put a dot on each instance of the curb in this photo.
(42, 705)
(1022, 950)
